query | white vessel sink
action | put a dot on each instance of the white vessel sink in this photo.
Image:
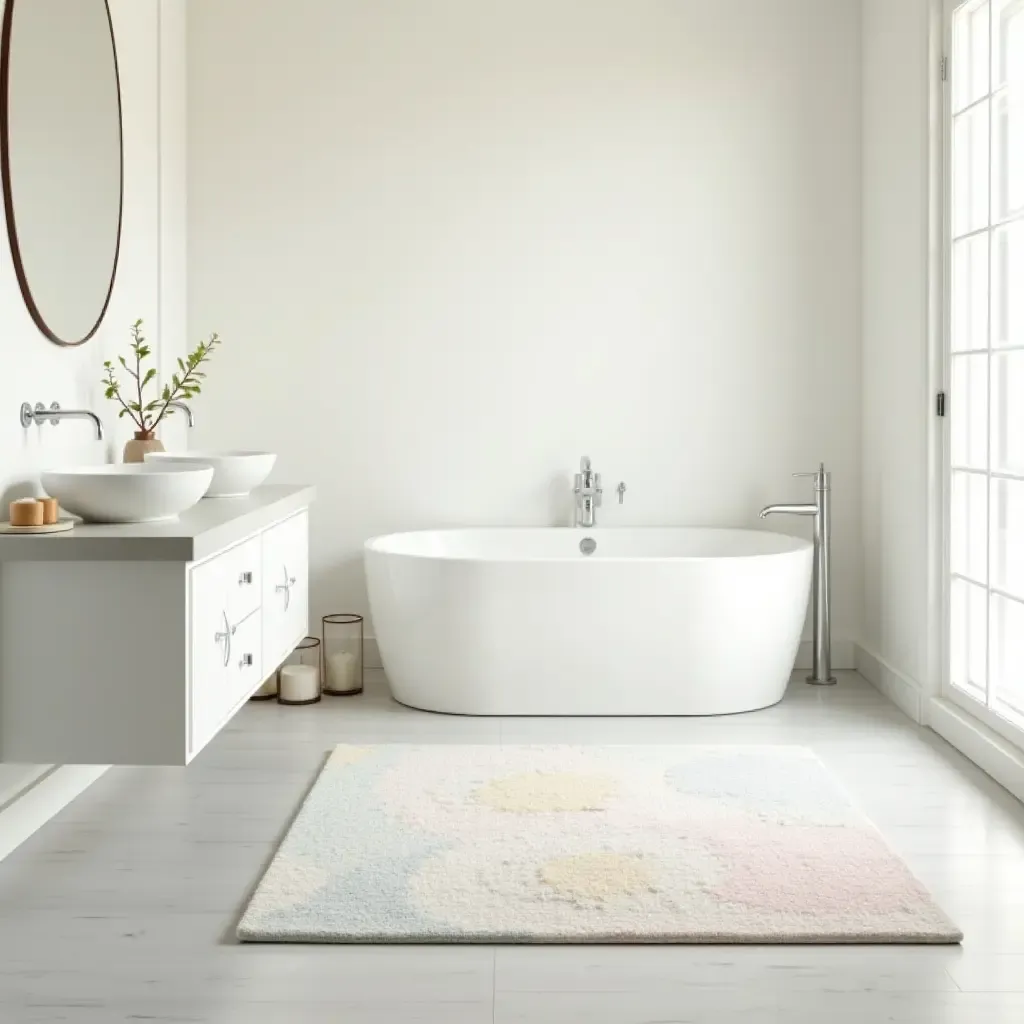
(135, 493)
(235, 474)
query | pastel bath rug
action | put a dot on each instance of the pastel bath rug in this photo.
(585, 844)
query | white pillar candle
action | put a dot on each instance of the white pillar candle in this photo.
(341, 672)
(299, 683)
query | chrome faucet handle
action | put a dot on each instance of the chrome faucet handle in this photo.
(585, 464)
(820, 477)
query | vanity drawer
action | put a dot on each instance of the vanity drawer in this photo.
(244, 670)
(243, 579)
(209, 630)
(285, 588)
(231, 583)
(227, 665)
(224, 626)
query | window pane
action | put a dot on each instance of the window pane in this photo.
(970, 293)
(970, 53)
(1008, 155)
(1007, 41)
(968, 413)
(1008, 412)
(970, 170)
(1007, 293)
(967, 636)
(1008, 652)
(1008, 536)
(968, 554)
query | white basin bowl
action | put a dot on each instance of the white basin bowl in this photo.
(134, 493)
(235, 474)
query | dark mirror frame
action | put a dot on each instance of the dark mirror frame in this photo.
(8, 193)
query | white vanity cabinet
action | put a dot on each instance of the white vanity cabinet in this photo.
(138, 644)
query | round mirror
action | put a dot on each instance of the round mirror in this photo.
(61, 160)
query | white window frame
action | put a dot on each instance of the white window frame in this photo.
(1003, 726)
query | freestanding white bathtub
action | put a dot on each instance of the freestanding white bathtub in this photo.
(653, 622)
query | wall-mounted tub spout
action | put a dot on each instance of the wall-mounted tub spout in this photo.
(821, 674)
(587, 492)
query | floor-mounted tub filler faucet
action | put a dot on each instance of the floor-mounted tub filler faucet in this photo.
(821, 673)
(587, 490)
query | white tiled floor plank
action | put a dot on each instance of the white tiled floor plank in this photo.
(123, 907)
(744, 1005)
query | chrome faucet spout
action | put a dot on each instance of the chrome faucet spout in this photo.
(189, 418)
(792, 510)
(40, 414)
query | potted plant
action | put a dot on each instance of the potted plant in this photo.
(146, 415)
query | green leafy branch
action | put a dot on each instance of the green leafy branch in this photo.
(186, 383)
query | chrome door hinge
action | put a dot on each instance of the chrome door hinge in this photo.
(944, 68)
(940, 404)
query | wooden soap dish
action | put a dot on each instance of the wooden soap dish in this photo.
(61, 526)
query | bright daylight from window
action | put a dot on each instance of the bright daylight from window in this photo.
(986, 338)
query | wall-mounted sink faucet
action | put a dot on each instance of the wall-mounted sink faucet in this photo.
(587, 491)
(189, 418)
(40, 414)
(822, 667)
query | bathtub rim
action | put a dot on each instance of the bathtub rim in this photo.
(376, 545)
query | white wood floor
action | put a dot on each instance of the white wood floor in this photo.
(123, 907)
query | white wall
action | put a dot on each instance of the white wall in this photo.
(35, 370)
(453, 246)
(899, 76)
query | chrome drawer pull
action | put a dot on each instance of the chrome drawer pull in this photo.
(286, 588)
(225, 638)
(246, 661)
(244, 579)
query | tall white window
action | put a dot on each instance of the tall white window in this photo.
(985, 318)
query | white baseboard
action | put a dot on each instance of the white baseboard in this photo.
(41, 800)
(903, 691)
(986, 748)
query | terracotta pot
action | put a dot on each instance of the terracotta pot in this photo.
(143, 441)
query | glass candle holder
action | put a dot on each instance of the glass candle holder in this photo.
(343, 654)
(299, 676)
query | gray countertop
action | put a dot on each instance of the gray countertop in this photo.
(201, 531)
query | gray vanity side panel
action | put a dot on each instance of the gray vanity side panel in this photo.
(69, 696)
